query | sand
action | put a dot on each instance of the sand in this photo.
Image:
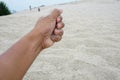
(90, 49)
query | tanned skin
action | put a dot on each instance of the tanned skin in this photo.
(15, 62)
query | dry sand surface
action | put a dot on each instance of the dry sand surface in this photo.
(90, 49)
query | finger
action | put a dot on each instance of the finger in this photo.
(55, 13)
(60, 25)
(59, 19)
(56, 38)
(58, 32)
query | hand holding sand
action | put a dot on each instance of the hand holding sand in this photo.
(50, 28)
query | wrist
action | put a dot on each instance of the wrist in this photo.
(35, 40)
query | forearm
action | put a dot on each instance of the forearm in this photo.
(20, 56)
(16, 61)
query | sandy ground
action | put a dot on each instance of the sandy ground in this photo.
(90, 49)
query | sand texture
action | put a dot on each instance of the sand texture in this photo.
(90, 49)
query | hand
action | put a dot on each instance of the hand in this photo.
(50, 28)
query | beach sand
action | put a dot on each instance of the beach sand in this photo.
(89, 50)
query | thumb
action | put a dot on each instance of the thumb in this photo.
(56, 13)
